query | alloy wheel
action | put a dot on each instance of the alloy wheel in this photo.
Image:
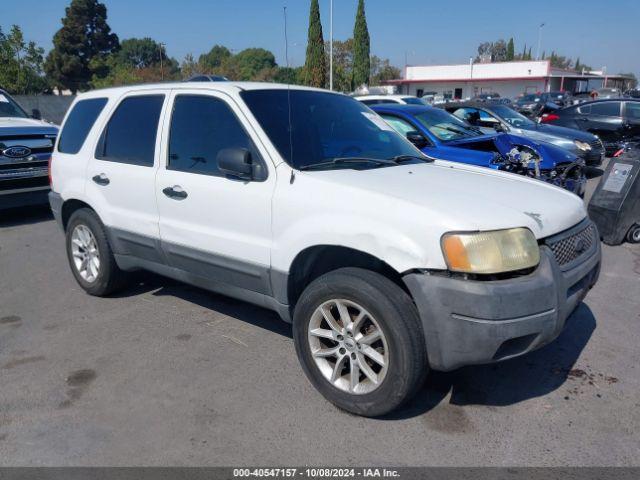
(85, 253)
(348, 346)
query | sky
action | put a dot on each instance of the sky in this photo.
(422, 32)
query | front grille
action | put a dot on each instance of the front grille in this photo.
(572, 247)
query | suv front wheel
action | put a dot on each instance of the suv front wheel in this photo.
(359, 339)
(90, 256)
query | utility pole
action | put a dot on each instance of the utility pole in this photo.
(331, 45)
(539, 40)
(160, 45)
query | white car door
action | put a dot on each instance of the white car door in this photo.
(121, 173)
(214, 226)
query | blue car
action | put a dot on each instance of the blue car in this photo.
(441, 135)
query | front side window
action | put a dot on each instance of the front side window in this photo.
(399, 125)
(202, 126)
(130, 135)
(78, 124)
(309, 127)
(609, 109)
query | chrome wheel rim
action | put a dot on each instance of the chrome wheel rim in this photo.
(84, 250)
(348, 346)
(635, 236)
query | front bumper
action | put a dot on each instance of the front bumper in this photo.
(469, 322)
(24, 197)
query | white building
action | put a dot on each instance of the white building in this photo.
(509, 79)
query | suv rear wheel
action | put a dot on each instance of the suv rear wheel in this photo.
(90, 256)
(359, 339)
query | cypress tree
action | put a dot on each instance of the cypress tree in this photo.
(83, 41)
(577, 67)
(524, 53)
(315, 65)
(529, 54)
(361, 49)
(510, 50)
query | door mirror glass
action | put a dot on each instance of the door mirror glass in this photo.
(237, 162)
(35, 113)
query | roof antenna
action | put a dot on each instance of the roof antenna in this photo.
(286, 56)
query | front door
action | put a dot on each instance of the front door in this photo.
(632, 119)
(213, 226)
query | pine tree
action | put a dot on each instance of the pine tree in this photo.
(315, 65)
(577, 67)
(544, 55)
(529, 54)
(524, 53)
(361, 51)
(510, 50)
(81, 45)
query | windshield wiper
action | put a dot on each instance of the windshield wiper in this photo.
(345, 161)
(405, 158)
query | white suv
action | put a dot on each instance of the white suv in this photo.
(306, 202)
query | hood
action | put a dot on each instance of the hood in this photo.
(565, 132)
(551, 155)
(25, 126)
(445, 196)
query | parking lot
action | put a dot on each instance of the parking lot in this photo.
(167, 374)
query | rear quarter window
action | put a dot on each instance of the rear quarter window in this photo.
(79, 122)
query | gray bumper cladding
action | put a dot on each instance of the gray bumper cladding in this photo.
(468, 322)
(55, 202)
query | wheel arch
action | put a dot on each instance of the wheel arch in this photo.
(315, 261)
(69, 207)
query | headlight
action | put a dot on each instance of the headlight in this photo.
(585, 147)
(491, 252)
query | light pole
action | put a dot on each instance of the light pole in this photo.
(160, 46)
(539, 40)
(331, 45)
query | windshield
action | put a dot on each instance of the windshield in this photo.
(324, 126)
(512, 117)
(445, 126)
(9, 108)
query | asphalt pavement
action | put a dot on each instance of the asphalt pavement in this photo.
(168, 374)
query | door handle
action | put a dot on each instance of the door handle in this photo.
(101, 179)
(176, 192)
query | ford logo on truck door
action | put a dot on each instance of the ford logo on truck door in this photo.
(16, 151)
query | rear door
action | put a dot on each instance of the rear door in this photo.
(121, 174)
(215, 227)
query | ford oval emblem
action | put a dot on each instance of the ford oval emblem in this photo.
(16, 151)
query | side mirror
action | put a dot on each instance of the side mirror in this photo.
(498, 127)
(237, 162)
(35, 113)
(417, 139)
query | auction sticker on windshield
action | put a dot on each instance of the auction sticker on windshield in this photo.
(378, 121)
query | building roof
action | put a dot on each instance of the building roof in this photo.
(483, 72)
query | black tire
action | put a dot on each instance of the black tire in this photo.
(110, 278)
(398, 319)
(634, 234)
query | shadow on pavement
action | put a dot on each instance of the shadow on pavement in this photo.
(532, 375)
(593, 172)
(161, 286)
(25, 216)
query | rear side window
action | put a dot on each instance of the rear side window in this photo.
(79, 122)
(130, 135)
(201, 127)
(609, 109)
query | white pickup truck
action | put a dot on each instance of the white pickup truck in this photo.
(26, 143)
(306, 202)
